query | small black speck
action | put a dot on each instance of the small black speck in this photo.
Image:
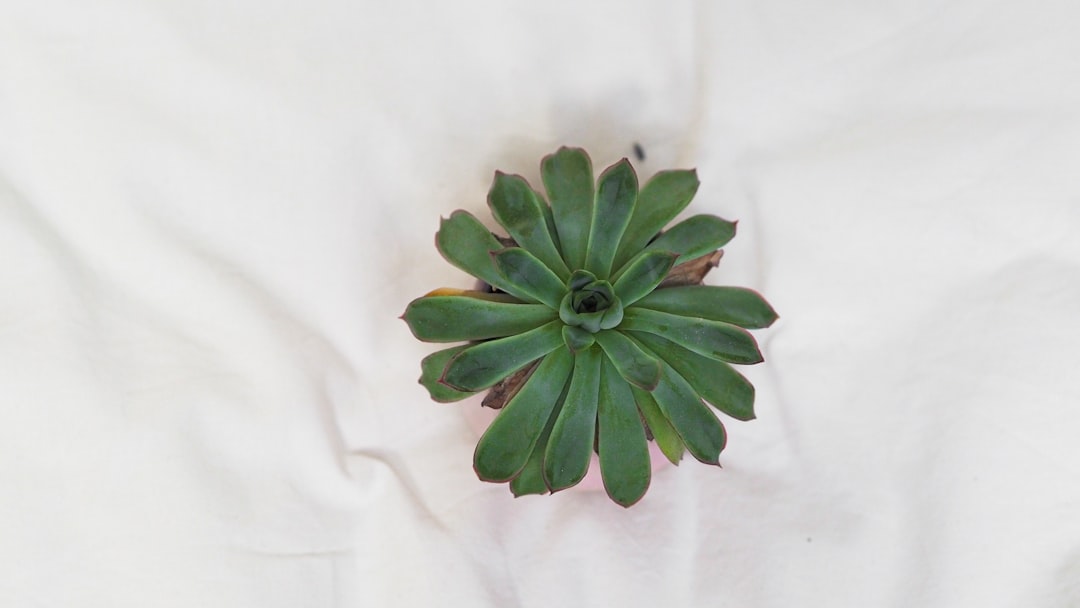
(639, 152)
(808, 539)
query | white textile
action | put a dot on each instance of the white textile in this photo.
(211, 213)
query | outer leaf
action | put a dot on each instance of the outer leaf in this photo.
(692, 272)
(549, 219)
(531, 478)
(467, 244)
(431, 369)
(568, 177)
(505, 447)
(459, 318)
(624, 451)
(702, 433)
(642, 275)
(694, 237)
(566, 459)
(661, 199)
(514, 205)
(716, 381)
(482, 365)
(663, 433)
(634, 364)
(615, 198)
(530, 276)
(471, 293)
(736, 305)
(714, 339)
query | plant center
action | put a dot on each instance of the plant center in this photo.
(590, 301)
(590, 304)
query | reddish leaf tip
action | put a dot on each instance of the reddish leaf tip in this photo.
(442, 381)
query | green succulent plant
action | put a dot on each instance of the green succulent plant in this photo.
(596, 334)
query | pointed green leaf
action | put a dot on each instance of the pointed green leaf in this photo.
(566, 459)
(505, 447)
(624, 451)
(694, 237)
(515, 206)
(579, 279)
(577, 339)
(735, 305)
(481, 365)
(529, 276)
(699, 428)
(714, 339)
(642, 275)
(612, 316)
(616, 195)
(716, 381)
(637, 366)
(456, 318)
(431, 369)
(661, 199)
(663, 433)
(568, 177)
(466, 243)
(531, 478)
(549, 219)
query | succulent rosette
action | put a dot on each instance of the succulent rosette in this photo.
(596, 334)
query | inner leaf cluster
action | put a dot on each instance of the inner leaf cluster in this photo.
(590, 303)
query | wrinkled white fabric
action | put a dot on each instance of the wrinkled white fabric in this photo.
(212, 212)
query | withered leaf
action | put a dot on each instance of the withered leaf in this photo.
(692, 272)
(505, 390)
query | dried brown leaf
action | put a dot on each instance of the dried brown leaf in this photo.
(692, 272)
(505, 390)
